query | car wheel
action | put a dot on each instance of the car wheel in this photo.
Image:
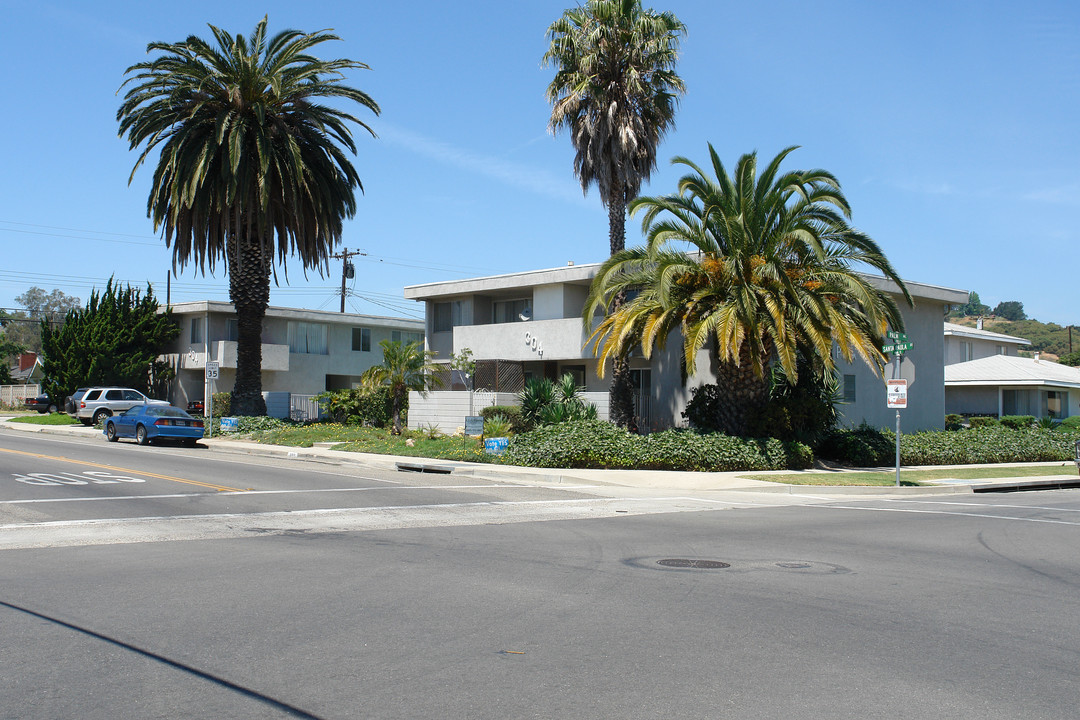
(110, 432)
(52, 409)
(100, 415)
(140, 436)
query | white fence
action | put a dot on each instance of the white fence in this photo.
(16, 394)
(446, 409)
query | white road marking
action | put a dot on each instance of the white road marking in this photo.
(986, 505)
(231, 493)
(333, 520)
(948, 512)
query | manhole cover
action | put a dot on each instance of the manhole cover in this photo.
(685, 563)
(793, 565)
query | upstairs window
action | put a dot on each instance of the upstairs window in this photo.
(306, 338)
(447, 315)
(361, 339)
(509, 311)
(231, 330)
(196, 329)
(405, 338)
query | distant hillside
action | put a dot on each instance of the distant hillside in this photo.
(1050, 339)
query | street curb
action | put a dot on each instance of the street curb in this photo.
(542, 476)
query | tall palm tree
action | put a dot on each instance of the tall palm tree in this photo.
(759, 268)
(405, 367)
(252, 167)
(616, 90)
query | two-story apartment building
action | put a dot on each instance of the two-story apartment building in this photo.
(963, 343)
(532, 321)
(303, 351)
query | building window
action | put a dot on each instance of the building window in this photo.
(578, 371)
(447, 316)
(509, 311)
(307, 338)
(1002, 350)
(196, 330)
(361, 339)
(1055, 404)
(232, 331)
(966, 352)
(405, 338)
(849, 388)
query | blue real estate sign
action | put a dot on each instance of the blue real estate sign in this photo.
(496, 446)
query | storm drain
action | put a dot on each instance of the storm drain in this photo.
(698, 564)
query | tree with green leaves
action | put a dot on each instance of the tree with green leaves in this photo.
(757, 268)
(116, 339)
(616, 90)
(23, 327)
(252, 166)
(405, 367)
(1010, 310)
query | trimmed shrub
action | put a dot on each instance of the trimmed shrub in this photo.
(511, 412)
(599, 444)
(1016, 422)
(1071, 424)
(986, 445)
(977, 422)
(954, 422)
(863, 446)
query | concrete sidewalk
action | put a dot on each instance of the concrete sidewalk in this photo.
(665, 480)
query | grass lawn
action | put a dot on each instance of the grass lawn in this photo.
(47, 419)
(352, 438)
(913, 477)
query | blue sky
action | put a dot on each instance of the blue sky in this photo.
(953, 127)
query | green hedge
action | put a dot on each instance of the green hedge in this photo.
(1017, 421)
(986, 445)
(599, 444)
(867, 447)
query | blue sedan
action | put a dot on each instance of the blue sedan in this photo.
(154, 422)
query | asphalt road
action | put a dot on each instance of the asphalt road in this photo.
(335, 592)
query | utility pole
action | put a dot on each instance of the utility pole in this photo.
(347, 269)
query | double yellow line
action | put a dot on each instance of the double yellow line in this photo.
(198, 483)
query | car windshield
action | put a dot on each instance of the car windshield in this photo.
(133, 410)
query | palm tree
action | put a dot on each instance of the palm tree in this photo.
(252, 167)
(616, 90)
(759, 268)
(404, 367)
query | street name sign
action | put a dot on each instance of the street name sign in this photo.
(897, 336)
(896, 394)
(898, 347)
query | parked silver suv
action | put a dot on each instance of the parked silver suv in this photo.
(98, 403)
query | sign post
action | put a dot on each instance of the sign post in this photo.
(896, 397)
(211, 375)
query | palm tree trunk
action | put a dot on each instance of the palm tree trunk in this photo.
(744, 390)
(249, 290)
(621, 394)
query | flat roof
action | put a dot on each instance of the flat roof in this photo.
(327, 316)
(583, 275)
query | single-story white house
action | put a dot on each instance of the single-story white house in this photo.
(529, 324)
(1008, 385)
(304, 352)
